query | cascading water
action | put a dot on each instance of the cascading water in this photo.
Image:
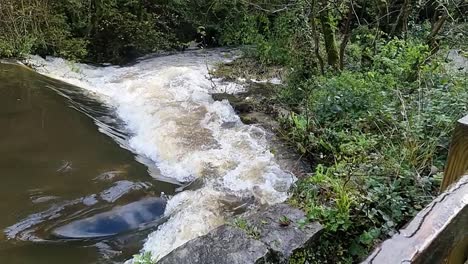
(173, 121)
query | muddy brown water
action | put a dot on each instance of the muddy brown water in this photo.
(56, 168)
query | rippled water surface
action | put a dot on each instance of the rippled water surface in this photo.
(67, 172)
(56, 167)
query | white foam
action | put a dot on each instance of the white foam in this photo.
(192, 214)
(166, 105)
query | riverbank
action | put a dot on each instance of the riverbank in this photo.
(224, 166)
(363, 92)
(375, 138)
(339, 187)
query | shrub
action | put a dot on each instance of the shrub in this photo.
(379, 138)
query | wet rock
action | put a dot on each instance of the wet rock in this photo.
(265, 120)
(224, 245)
(238, 103)
(278, 234)
(192, 185)
(281, 230)
(43, 199)
(257, 106)
(109, 175)
(90, 200)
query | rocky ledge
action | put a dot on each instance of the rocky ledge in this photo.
(269, 235)
(256, 106)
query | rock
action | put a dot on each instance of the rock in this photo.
(254, 117)
(279, 229)
(224, 245)
(237, 102)
(256, 106)
(277, 235)
(457, 62)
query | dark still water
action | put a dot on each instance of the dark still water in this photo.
(68, 193)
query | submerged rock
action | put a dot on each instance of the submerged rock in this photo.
(270, 235)
(120, 219)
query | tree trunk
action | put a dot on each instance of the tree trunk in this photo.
(436, 27)
(329, 38)
(346, 35)
(383, 15)
(401, 23)
(316, 37)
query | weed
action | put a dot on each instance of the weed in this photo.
(378, 136)
(284, 221)
(144, 258)
(251, 230)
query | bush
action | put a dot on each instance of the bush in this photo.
(379, 137)
(105, 31)
(122, 35)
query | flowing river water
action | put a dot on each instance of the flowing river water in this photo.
(90, 156)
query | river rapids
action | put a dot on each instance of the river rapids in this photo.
(183, 135)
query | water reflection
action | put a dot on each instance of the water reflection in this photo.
(58, 172)
(122, 219)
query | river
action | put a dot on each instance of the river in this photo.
(94, 143)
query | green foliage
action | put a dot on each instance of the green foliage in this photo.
(126, 30)
(73, 49)
(101, 31)
(278, 36)
(284, 221)
(379, 135)
(401, 58)
(377, 128)
(144, 258)
(282, 32)
(32, 26)
(249, 229)
(328, 199)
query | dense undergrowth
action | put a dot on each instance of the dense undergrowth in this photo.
(376, 127)
(373, 115)
(379, 138)
(373, 98)
(97, 31)
(377, 134)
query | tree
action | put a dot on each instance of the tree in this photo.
(329, 35)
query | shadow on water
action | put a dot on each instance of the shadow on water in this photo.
(71, 191)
